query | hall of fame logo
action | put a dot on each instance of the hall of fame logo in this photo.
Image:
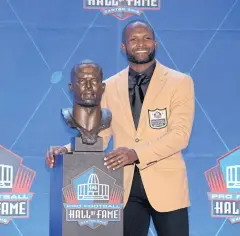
(157, 118)
(121, 9)
(224, 184)
(15, 185)
(93, 199)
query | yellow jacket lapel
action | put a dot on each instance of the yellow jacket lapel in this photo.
(154, 88)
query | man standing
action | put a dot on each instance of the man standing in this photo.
(152, 115)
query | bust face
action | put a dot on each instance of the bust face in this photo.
(87, 86)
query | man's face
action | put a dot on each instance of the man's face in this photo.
(87, 86)
(139, 44)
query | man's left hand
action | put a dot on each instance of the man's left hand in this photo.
(120, 157)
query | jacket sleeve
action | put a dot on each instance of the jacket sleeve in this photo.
(105, 134)
(180, 123)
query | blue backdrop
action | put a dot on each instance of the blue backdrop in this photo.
(40, 41)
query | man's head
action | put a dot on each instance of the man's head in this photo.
(86, 84)
(138, 42)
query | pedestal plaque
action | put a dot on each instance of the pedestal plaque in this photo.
(86, 197)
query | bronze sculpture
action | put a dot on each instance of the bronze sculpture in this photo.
(86, 115)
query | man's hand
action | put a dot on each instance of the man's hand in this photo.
(51, 155)
(120, 157)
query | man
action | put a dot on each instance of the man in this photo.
(86, 115)
(152, 114)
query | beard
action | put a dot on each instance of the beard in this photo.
(85, 101)
(134, 60)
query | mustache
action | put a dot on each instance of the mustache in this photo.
(88, 93)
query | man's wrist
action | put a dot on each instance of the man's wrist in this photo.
(137, 160)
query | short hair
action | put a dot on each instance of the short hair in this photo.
(134, 22)
(87, 62)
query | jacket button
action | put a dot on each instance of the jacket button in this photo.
(137, 140)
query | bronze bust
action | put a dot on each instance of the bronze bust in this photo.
(86, 115)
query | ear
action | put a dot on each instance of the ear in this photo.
(70, 87)
(155, 43)
(123, 47)
(103, 86)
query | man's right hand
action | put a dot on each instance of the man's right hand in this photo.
(51, 154)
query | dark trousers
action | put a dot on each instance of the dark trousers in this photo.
(138, 211)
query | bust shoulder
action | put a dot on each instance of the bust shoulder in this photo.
(106, 118)
(67, 115)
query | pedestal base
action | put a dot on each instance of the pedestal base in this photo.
(86, 197)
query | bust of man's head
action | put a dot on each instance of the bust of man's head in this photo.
(87, 84)
(86, 114)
